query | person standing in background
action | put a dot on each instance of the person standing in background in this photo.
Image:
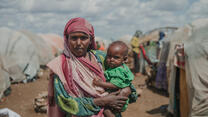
(136, 51)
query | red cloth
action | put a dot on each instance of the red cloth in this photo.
(144, 54)
(78, 25)
(82, 25)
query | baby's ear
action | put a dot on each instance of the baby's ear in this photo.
(125, 59)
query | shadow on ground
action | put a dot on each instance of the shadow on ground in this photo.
(159, 110)
(158, 91)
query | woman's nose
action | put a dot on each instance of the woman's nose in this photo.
(78, 41)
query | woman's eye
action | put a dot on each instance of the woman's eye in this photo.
(83, 37)
(79, 37)
(73, 37)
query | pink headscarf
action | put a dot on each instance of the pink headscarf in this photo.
(78, 25)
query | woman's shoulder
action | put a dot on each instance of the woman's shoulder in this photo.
(99, 53)
(54, 62)
(100, 56)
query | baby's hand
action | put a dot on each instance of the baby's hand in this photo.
(97, 81)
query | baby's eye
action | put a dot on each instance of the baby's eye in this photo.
(116, 57)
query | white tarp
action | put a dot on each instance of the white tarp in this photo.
(44, 50)
(55, 42)
(194, 36)
(18, 55)
(196, 51)
(4, 80)
(177, 37)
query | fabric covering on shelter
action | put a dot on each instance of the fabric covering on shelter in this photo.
(44, 51)
(195, 39)
(177, 37)
(55, 42)
(196, 50)
(4, 80)
(18, 55)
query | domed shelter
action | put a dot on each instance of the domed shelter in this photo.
(45, 53)
(19, 57)
(55, 42)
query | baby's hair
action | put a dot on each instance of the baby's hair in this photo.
(122, 45)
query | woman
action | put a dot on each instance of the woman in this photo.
(71, 92)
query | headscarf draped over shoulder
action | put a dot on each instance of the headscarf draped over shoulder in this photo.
(75, 73)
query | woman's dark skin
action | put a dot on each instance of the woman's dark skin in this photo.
(78, 44)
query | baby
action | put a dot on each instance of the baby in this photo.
(117, 74)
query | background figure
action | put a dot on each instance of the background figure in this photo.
(141, 61)
(163, 51)
(136, 51)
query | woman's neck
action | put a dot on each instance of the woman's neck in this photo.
(88, 56)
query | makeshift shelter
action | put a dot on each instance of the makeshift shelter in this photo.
(55, 42)
(4, 80)
(151, 43)
(18, 55)
(44, 51)
(187, 64)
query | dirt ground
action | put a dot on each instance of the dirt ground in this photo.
(149, 104)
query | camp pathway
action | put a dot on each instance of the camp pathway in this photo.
(21, 99)
(148, 104)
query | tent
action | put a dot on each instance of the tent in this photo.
(55, 42)
(150, 42)
(187, 64)
(4, 80)
(44, 51)
(18, 55)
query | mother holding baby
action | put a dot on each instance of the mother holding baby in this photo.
(70, 91)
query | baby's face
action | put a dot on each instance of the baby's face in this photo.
(115, 56)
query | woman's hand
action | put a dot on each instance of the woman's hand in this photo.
(97, 82)
(112, 101)
(125, 92)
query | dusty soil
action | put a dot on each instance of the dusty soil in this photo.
(21, 99)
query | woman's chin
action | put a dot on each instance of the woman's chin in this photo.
(79, 53)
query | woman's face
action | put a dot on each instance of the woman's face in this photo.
(78, 43)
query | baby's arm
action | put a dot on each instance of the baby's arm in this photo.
(106, 85)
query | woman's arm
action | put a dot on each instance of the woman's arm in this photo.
(74, 106)
(85, 106)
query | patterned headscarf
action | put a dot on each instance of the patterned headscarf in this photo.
(78, 25)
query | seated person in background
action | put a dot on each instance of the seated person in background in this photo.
(117, 74)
